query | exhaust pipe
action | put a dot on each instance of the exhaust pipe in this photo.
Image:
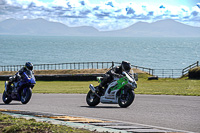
(93, 90)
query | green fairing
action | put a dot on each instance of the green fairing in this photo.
(99, 80)
(121, 83)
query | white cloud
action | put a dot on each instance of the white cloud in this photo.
(104, 16)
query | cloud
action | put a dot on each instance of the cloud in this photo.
(198, 5)
(108, 15)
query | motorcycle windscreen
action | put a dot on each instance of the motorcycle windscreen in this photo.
(29, 77)
(129, 78)
(33, 80)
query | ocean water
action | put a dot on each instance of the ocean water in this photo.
(155, 53)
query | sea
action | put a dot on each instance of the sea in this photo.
(155, 53)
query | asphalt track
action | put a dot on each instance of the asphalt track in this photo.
(176, 112)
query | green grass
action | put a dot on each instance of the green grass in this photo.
(63, 86)
(169, 87)
(162, 86)
(9, 124)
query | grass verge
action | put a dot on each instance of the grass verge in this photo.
(9, 124)
(164, 86)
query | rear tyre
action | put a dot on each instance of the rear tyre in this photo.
(92, 99)
(6, 99)
(126, 100)
(25, 97)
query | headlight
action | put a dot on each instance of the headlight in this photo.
(134, 84)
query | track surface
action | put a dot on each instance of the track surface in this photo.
(177, 112)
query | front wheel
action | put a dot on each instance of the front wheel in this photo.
(26, 95)
(126, 100)
(6, 99)
(92, 99)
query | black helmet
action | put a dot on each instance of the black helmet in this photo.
(29, 66)
(126, 66)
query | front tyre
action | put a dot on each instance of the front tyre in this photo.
(6, 99)
(126, 100)
(92, 99)
(26, 95)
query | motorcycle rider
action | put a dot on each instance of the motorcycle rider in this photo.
(28, 67)
(114, 72)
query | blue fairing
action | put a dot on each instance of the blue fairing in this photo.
(29, 77)
(21, 86)
(33, 80)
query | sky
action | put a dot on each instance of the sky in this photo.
(102, 14)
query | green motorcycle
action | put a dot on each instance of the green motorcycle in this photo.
(119, 91)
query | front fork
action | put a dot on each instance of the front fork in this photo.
(123, 94)
(7, 87)
(94, 90)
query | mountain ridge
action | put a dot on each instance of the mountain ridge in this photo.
(162, 28)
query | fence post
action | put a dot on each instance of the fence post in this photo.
(163, 73)
(112, 64)
(197, 63)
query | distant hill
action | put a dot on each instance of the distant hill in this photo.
(163, 28)
(42, 27)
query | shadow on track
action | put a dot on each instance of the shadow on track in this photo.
(110, 107)
(11, 104)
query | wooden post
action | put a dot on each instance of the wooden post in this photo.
(163, 73)
(112, 64)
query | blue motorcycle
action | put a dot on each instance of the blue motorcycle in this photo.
(21, 90)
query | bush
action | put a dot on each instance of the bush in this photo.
(194, 73)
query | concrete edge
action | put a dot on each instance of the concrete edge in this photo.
(70, 124)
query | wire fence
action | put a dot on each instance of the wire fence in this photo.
(62, 66)
(186, 70)
(167, 73)
(162, 73)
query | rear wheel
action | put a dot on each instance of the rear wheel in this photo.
(6, 98)
(126, 100)
(92, 99)
(26, 95)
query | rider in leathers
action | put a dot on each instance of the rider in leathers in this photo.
(114, 72)
(28, 67)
